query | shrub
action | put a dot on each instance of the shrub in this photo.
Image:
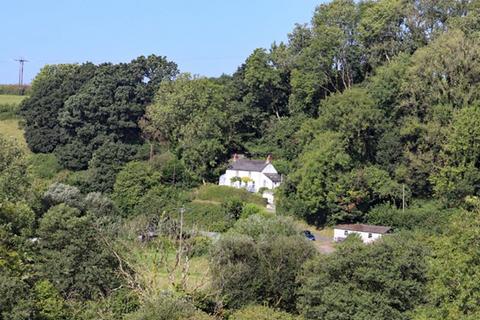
(167, 307)
(173, 171)
(48, 302)
(59, 193)
(99, 204)
(250, 209)
(200, 246)
(8, 111)
(429, 216)
(257, 261)
(78, 179)
(131, 183)
(72, 255)
(211, 192)
(159, 200)
(207, 217)
(44, 165)
(384, 280)
(233, 208)
(255, 312)
(105, 164)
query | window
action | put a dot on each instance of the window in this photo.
(346, 232)
(369, 235)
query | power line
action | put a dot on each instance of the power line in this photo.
(20, 71)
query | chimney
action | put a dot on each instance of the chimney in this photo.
(269, 158)
(235, 157)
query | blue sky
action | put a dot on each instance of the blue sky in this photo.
(207, 37)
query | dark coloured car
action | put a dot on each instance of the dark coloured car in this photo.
(308, 235)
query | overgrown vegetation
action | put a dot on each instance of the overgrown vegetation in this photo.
(371, 112)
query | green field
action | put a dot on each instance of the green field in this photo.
(9, 106)
(9, 124)
(10, 99)
(11, 130)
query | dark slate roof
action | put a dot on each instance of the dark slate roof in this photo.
(275, 177)
(363, 228)
(248, 165)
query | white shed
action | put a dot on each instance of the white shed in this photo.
(367, 232)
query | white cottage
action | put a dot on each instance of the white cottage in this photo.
(252, 175)
(368, 233)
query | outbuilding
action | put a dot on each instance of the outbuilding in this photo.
(368, 233)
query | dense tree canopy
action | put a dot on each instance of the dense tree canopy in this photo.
(371, 113)
(380, 281)
(76, 109)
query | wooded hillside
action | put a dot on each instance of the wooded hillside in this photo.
(371, 112)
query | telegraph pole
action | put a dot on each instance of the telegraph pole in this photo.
(21, 62)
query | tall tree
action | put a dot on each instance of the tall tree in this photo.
(50, 89)
(332, 61)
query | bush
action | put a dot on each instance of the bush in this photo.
(384, 280)
(159, 200)
(100, 205)
(173, 170)
(233, 208)
(131, 183)
(44, 165)
(58, 193)
(200, 246)
(429, 216)
(105, 164)
(72, 255)
(8, 111)
(207, 217)
(250, 209)
(256, 312)
(257, 261)
(211, 192)
(167, 307)
(78, 179)
(48, 302)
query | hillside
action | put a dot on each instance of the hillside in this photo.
(110, 208)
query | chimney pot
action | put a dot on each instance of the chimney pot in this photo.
(269, 159)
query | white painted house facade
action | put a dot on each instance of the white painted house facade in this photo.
(252, 175)
(368, 233)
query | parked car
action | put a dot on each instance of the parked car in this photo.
(308, 235)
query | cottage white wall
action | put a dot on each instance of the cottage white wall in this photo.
(261, 181)
(269, 196)
(340, 233)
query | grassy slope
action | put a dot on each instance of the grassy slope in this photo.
(10, 129)
(215, 193)
(9, 125)
(10, 99)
